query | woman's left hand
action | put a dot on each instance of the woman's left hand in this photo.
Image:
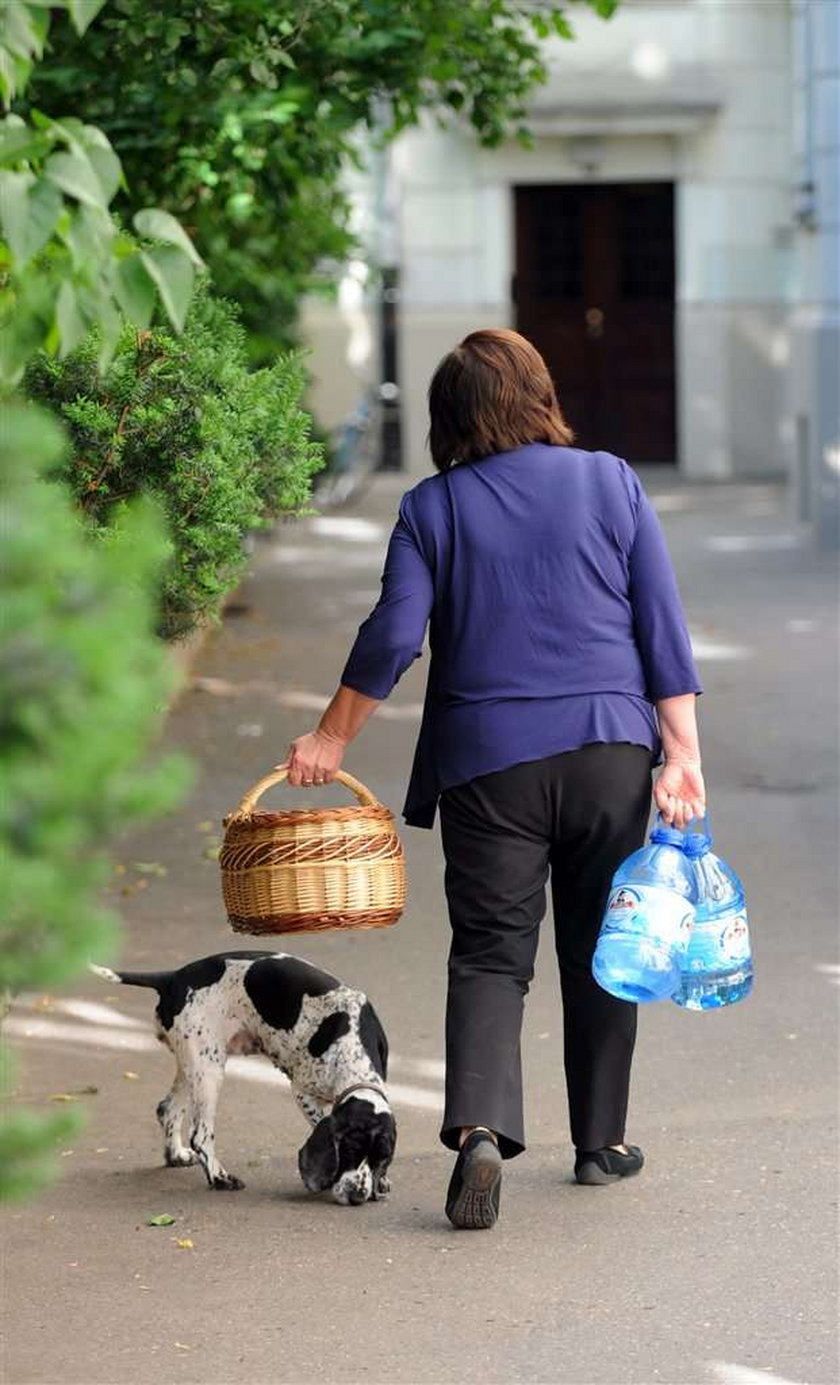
(680, 793)
(314, 759)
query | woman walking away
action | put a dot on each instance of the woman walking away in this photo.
(561, 672)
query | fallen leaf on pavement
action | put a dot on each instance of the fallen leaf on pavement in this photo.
(150, 868)
(63, 1096)
(132, 889)
(185, 1244)
(132, 1076)
(182, 1346)
(162, 1219)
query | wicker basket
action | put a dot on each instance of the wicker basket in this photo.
(307, 869)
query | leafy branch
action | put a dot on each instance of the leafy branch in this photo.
(65, 265)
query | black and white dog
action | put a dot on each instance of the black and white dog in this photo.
(324, 1036)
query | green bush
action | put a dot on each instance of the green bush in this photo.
(182, 418)
(82, 684)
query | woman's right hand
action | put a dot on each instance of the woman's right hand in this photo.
(680, 793)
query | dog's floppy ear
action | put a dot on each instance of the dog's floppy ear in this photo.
(318, 1159)
(374, 1039)
(385, 1142)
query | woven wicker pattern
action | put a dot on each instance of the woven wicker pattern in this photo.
(308, 869)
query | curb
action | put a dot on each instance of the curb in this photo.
(184, 655)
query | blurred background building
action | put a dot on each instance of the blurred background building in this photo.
(671, 243)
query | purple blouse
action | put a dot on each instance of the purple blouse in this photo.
(554, 615)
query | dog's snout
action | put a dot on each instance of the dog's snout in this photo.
(355, 1187)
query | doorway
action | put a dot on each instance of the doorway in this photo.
(594, 292)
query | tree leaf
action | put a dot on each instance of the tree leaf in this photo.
(159, 225)
(45, 207)
(72, 327)
(76, 176)
(163, 1219)
(173, 274)
(281, 113)
(29, 211)
(88, 236)
(34, 317)
(69, 128)
(107, 167)
(562, 27)
(83, 13)
(134, 291)
(24, 29)
(19, 141)
(110, 329)
(261, 72)
(14, 210)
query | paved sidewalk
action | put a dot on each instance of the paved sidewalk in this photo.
(716, 1265)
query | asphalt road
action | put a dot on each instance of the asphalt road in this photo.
(717, 1264)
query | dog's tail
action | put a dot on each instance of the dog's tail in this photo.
(155, 980)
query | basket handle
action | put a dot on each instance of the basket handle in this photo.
(281, 772)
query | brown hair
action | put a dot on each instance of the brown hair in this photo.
(493, 393)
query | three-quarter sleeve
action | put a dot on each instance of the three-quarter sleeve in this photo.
(659, 622)
(392, 636)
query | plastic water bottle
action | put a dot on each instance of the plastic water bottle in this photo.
(717, 967)
(648, 920)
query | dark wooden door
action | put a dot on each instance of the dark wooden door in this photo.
(594, 292)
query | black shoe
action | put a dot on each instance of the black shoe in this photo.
(472, 1201)
(595, 1167)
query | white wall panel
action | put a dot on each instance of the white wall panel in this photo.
(438, 218)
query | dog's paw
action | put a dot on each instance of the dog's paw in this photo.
(227, 1183)
(182, 1160)
(381, 1188)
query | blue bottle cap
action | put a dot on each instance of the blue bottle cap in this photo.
(667, 836)
(696, 844)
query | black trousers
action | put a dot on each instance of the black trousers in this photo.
(574, 817)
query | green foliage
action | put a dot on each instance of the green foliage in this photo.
(181, 417)
(64, 267)
(28, 1142)
(81, 673)
(24, 26)
(239, 115)
(81, 685)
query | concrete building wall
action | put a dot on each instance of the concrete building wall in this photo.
(693, 92)
(697, 92)
(815, 374)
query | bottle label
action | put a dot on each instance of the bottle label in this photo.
(656, 913)
(719, 943)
